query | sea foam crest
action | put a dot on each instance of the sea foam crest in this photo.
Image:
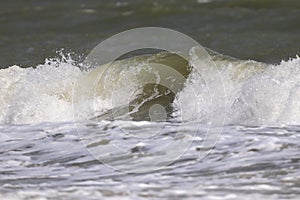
(43, 93)
(256, 93)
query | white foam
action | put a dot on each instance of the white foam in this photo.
(256, 93)
(38, 94)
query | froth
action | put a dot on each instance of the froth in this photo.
(43, 93)
(256, 94)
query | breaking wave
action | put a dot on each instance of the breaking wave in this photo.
(139, 89)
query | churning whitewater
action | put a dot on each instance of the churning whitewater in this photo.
(255, 93)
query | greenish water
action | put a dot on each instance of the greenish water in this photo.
(263, 30)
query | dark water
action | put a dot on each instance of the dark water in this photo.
(255, 155)
(263, 30)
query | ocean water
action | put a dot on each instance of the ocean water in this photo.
(229, 131)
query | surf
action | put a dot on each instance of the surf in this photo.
(155, 87)
(135, 86)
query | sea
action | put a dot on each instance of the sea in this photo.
(221, 123)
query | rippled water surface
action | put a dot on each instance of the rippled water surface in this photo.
(264, 30)
(47, 160)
